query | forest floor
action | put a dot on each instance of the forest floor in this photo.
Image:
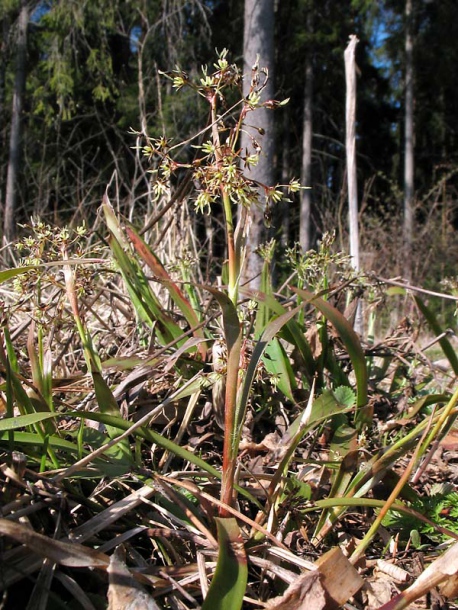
(112, 436)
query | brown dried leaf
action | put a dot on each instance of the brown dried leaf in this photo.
(397, 573)
(378, 592)
(270, 443)
(304, 593)
(313, 338)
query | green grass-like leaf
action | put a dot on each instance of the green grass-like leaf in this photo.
(146, 305)
(154, 437)
(163, 277)
(291, 332)
(8, 274)
(229, 582)
(30, 438)
(22, 421)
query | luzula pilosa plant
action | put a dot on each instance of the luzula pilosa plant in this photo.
(220, 170)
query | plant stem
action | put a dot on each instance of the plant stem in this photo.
(230, 448)
(234, 350)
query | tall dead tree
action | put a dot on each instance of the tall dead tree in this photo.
(15, 146)
(408, 144)
(258, 41)
(350, 145)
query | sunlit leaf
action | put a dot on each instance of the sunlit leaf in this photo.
(345, 395)
(324, 407)
(231, 322)
(146, 305)
(21, 421)
(291, 332)
(108, 404)
(395, 291)
(279, 367)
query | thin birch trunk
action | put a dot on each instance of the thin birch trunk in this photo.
(15, 148)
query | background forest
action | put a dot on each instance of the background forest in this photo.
(83, 75)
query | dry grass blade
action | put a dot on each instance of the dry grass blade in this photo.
(192, 520)
(19, 562)
(111, 514)
(40, 596)
(75, 590)
(236, 513)
(65, 553)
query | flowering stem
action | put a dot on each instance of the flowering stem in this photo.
(228, 216)
(233, 363)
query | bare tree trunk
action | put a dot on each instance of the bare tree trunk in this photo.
(3, 51)
(15, 148)
(408, 151)
(350, 145)
(258, 39)
(307, 134)
(3, 62)
(284, 216)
